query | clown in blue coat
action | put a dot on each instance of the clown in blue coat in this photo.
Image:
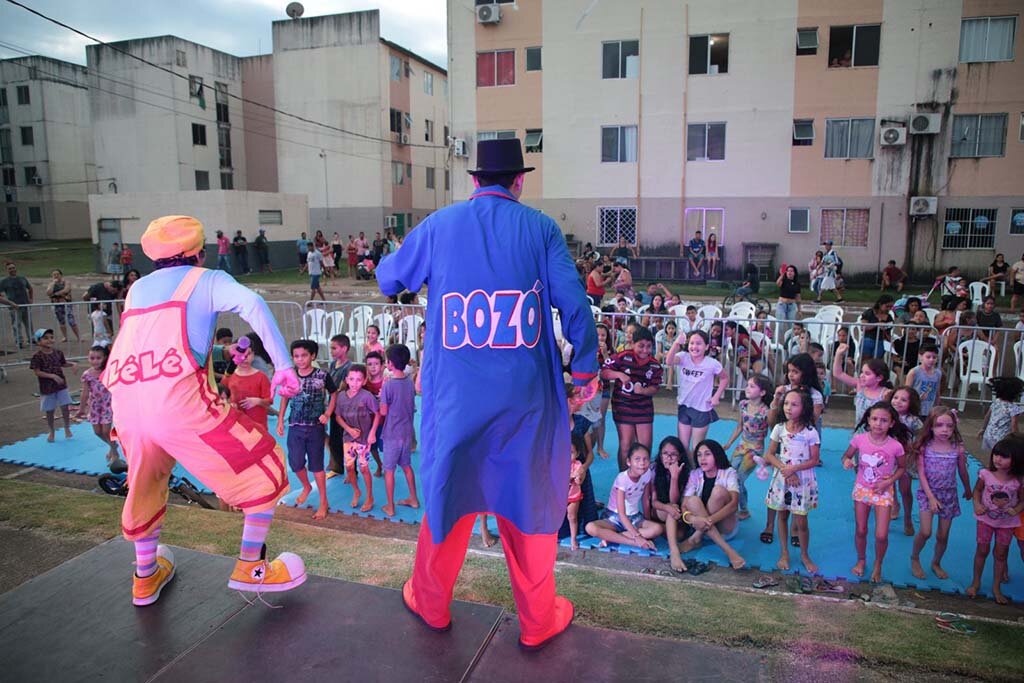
(495, 424)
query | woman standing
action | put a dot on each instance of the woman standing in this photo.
(336, 251)
(788, 306)
(597, 281)
(352, 252)
(712, 247)
(816, 273)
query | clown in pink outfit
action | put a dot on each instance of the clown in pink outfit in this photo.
(167, 410)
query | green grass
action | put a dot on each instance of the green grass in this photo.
(38, 259)
(871, 637)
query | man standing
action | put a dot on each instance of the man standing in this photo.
(114, 258)
(362, 247)
(108, 290)
(241, 247)
(16, 292)
(302, 247)
(263, 251)
(222, 252)
(495, 421)
(378, 248)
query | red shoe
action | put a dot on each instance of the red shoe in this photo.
(409, 600)
(564, 614)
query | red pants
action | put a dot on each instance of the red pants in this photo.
(531, 569)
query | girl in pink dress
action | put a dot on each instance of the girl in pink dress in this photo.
(96, 399)
(712, 247)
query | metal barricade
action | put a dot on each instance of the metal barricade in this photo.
(72, 321)
(288, 315)
(395, 323)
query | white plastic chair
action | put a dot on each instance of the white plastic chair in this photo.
(313, 323)
(596, 310)
(976, 363)
(408, 332)
(386, 323)
(706, 315)
(931, 314)
(358, 320)
(1018, 355)
(643, 309)
(742, 310)
(978, 291)
(830, 313)
(556, 324)
(422, 301)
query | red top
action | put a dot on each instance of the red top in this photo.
(255, 385)
(374, 387)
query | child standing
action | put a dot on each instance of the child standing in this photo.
(697, 395)
(1001, 416)
(794, 452)
(638, 376)
(96, 399)
(625, 517)
(872, 384)
(938, 456)
(248, 387)
(997, 507)
(578, 455)
(306, 422)
(48, 363)
(315, 267)
(926, 377)
(908, 406)
(374, 383)
(753, 428)
(100, 332)
(604, 352)
(879, 461)
(801, 374)
(338, 370)
(357, 413)
(397, 407)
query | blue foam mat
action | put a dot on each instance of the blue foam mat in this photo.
(831, 525)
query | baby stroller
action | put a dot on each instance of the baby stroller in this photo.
(364, 270)
(115, 483)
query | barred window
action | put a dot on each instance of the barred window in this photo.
(845, 227)
(1017, 221)
(969, 229)
(615, 222)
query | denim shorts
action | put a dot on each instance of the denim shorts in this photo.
(50, 402)
(306, 447)
(614, 518)
(314, 282)
(696, 418)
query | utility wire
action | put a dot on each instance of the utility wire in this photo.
(186, 78)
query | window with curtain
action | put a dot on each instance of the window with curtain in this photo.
(705, 142)
(979, 135)
(849, 138)
(708, 221)
(845, 227)
(987, 39)
(396, 68)
(397, 173)
(620, 59)
(495, 68)
(618, 144)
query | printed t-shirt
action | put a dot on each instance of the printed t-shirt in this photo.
(314, 262)
(999, 499)
(632, 489)
(306, 407)
(357, 412)
(52, 363)
(875, 462)
(696, 381)
(625, 403)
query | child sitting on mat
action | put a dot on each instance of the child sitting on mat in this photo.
(625, 517)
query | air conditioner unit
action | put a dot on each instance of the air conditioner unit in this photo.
(892, 136)
(390, 221)
(925, 124)
(404, 139)
(36, 180)
(923, 206)
(459, 147)
(488, 14)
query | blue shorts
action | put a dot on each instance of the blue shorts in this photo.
(306, 447)
(581, 425)
(50, 402)
(614, 518)
(396, 454)
(696, 418)
(314, 282)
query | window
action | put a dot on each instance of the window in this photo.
(495, 68)
(807, 41)
(224, 146)
(30, 175)
(12, 216)
(620, 59)
(447, 180)
(6, 157)
(706, 220)
(4, 114)
(429, 176)
(195, 86)
(849, 138)
(969, 229)
(533, 61)
(705, 142)
(396, 120)
(534, 141)
(408, 171)
(428, 130)
(446, 135)
(428, 83)
(227, 181)
(198, 134)
(803, 132)
(397, 173)
(270, 217)
(494, 135)
(979, 135)
(614, 222)
(396, 68)
(180, 58)
(35, 215)
(202, 180)
(618, 143)
(709, 54)
(221, 90)
(799, 220)
(10, 178)
(27, 138)
(987, 39)
(854, 45)
(23, 96)
(845, 227)
(1017, 221)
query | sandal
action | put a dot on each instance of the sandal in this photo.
(765, 581)
(951, 622)
(794, 541)
(800, 584)
(696, 568)
(767, 537)
(823, 585)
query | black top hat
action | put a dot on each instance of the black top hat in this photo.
(495, 157)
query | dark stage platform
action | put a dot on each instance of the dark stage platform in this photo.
(76, 623)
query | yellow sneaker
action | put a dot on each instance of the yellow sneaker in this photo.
(146, 591)
(284, 573)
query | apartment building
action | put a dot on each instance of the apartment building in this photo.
(893, 127)
(384, 161)
(46, 154)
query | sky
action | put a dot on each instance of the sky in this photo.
(238, 27)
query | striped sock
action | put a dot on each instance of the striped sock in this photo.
(254, 534)
(145, 554)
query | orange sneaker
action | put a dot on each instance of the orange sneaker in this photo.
(259, 576)
(146, 591)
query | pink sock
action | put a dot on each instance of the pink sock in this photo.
(254, 534)
(145, 554)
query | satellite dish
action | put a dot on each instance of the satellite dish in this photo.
(294, 10)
